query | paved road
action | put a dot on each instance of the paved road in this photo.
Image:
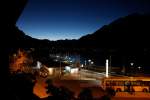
(86, 78)
(129, 98)
(136, 94)
(75, 82)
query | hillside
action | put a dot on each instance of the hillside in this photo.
(129, 31)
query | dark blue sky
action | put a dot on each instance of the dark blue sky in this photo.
(71, 19)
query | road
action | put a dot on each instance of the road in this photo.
(136, 96)
(85, 78)
(74, 82)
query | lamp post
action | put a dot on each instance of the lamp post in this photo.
(59, 59)
(132, 68)
(85, 64)
(60, 68)
(139, 67)
(110, 67)
(89, 63)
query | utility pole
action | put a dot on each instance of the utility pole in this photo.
(110, 67)
(60, 67)
(107, 67)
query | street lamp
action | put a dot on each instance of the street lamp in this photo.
(89, 63)
(60, 67)
(92, 63)
(89, 60)
(132, 64)
(58, 58)
(139, 67)
(132, 68)
(85, 63)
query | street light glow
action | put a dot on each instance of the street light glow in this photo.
(89, 60)
(132, 64)
(139, 67)
(92, 62)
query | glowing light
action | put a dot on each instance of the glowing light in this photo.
(67, 68)
(57, 56)
(139, 67)
(74, 70)
(89, 60)
(38, 65)
(51, 71)
(56, 60)
(132, 64)
(82, 65)
(106, 67)
(92, 62)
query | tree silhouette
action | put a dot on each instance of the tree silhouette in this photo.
(21, 86)
(85, 94)
(58, 93)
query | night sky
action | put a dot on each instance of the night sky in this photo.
(71, 19)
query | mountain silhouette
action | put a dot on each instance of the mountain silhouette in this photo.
(129, 31)
(125, 38)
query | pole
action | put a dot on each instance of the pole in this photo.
(60, 69)
(106, 67)
(110, 67)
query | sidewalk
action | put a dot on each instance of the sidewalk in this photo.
(136, 94)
